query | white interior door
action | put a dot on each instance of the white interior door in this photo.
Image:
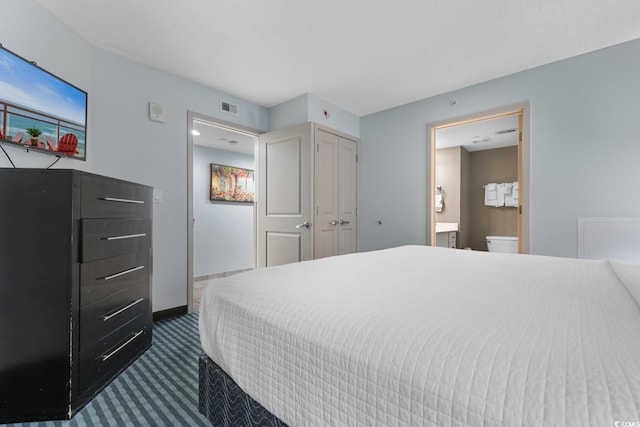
(327, 219)
(284, 196)
(348, 196)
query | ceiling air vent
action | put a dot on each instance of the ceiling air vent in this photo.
(502, 132)
(477, 139)
(230, 108)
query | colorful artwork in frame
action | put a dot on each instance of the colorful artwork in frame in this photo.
(231, 184)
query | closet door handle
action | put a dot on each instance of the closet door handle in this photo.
(131, 270)
(128, 236)
(304, 225)
(334, 222)
(115, 199)
(342, 222)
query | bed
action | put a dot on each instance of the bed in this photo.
(425, 336)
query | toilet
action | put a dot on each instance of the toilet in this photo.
(505, 244)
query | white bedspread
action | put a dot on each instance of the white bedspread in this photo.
(426, 336)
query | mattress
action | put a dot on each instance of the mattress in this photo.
(426, 336)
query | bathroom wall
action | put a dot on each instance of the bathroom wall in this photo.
(497, 165)
(448, 176)
(452, 173)
(465, 200)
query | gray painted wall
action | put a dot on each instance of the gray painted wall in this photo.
(121, 141)
(223, 232)
(584, 149)
(310, 108)
(339, 119)
(289, 113)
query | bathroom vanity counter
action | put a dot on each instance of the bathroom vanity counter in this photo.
(446, 234)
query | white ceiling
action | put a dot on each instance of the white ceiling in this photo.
(363, 56)
(487, 134)
(223, 139)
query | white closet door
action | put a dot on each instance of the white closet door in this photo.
(336, 189)
(348, 196)
(284, 196)
(326, 228)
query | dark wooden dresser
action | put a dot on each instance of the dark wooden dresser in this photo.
(75, 288)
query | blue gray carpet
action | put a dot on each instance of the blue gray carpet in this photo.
(158, 389)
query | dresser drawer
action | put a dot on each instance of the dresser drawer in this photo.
(106, 198)
(106, 347)
(97, 320)
(102, 238)
(103, 361)
(106, 276)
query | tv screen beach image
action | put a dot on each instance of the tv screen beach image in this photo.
(30, 97)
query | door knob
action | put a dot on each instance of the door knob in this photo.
(342, 222)
(304, 225)
(334, 222)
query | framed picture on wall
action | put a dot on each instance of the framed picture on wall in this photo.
(231, 184)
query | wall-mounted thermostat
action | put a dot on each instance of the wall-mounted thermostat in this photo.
(156, 112)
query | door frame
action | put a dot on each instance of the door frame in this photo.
(524, 150)
(191, 116)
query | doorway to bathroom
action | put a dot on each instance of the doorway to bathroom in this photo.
(478, 195)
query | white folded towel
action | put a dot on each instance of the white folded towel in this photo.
(491, 195)
(512, 199)
(503, 191)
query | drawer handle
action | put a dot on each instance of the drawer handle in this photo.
(106, 356)
(128, 306)
(114, 199)
(131, 270)
(128, 236)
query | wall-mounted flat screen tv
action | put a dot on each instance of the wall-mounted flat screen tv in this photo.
(34, 101)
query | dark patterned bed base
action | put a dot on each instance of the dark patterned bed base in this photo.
(224, 403)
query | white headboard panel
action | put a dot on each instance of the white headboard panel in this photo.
(616, 239)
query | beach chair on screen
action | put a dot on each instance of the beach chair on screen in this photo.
(18, 137)
(68, 144)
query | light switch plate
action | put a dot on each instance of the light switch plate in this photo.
(157, 195)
